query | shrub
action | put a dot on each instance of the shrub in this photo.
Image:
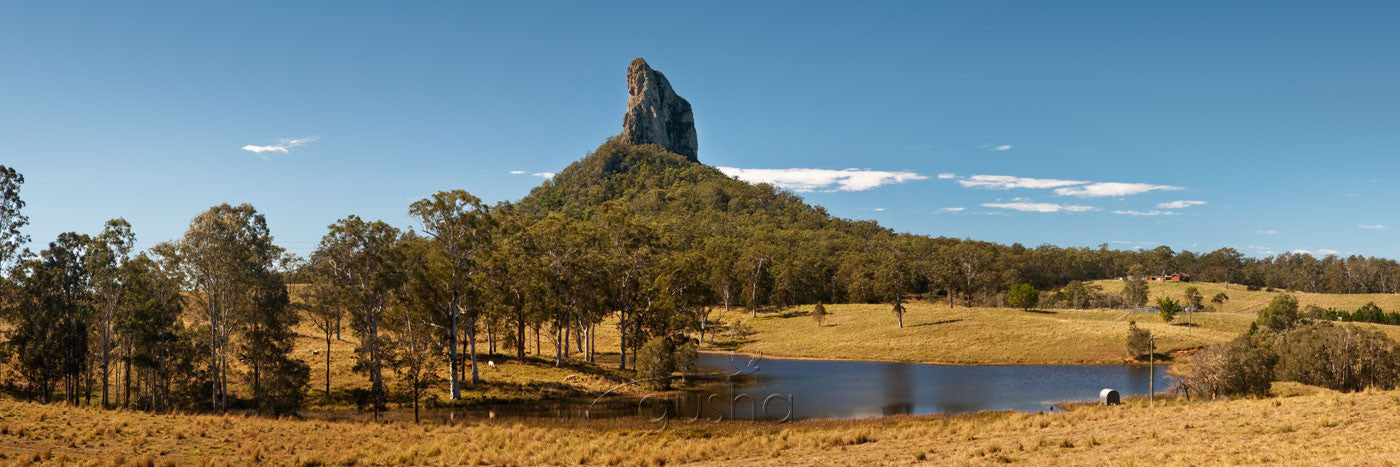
(1194, 298)
(1135, 292)
(1281, 314)
(1023, 296)
(1139, 340)
(819, 313)
(685, 356)
(737, 329)
(1168, 308)
(1342, 358)
(656, 359)
(1237, 367)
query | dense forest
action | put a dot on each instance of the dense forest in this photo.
(631, 236)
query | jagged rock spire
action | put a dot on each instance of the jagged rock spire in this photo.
(656, 115)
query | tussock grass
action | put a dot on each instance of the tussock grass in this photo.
(1316, 427)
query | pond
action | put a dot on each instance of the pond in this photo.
(857, 389)
(832, 389)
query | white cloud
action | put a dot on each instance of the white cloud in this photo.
(1100, 189)
(946, 176)
(1317, 252)
(804, 180)
(1371, 226)
(283, 146)
(1003, 147)
(517, 172)
(544, 174)
(1004, 182)
(1267, 232)
(1153, 212)
(952, 209)
(1180, 204)
(1039, 207)
(880, 209)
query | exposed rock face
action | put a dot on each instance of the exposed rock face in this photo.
(656, 115)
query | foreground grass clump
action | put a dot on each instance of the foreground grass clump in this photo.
(1311, 425)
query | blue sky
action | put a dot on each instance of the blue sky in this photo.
(1280, 116)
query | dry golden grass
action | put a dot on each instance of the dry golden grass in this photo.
(1317, 427)
(1250, 302)
(511, 380)
(934, 334)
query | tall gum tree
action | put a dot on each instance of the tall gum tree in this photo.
(460, 226)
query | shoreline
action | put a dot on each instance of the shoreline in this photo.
(876, 360)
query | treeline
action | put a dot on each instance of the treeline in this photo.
(631, 236)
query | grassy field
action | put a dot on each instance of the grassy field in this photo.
(1318, 427)
(933, 333)
(1250, 302)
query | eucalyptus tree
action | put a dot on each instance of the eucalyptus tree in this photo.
(563, 273)
(756, 259)
(150, 328)
(107, 259)
(412, 347)
(629, 250)
(721, 253)
(366, 268)
(321, 302)
(11, 217)
(460, 226)
(942, 269)
(974, 262)
(507, 269)
(278, 382)
(50, 323)
(224, 257)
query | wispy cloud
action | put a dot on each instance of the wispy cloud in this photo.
(946, 176)
(1003, 147)
(1180, 204)
(545, 175)
(880, 209)
(1371, 226)
(1039, 207)
(1153, 212)
(1100, 189)
(805, 180)
(1317, 252)
(1078, 188)
(951, 209)
(283, 146)
(1267, 232)
(1004, 182)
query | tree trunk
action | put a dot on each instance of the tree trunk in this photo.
(328, 365)
(520, 333)
(455, 385)
(471, 337)
(622, 339)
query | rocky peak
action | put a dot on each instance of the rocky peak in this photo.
(656, 115)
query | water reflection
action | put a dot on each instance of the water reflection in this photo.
(836, 389)
(847, 389)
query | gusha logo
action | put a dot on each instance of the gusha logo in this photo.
(715, 407)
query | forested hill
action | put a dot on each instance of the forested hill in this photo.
(666, 188)
(809, 255)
